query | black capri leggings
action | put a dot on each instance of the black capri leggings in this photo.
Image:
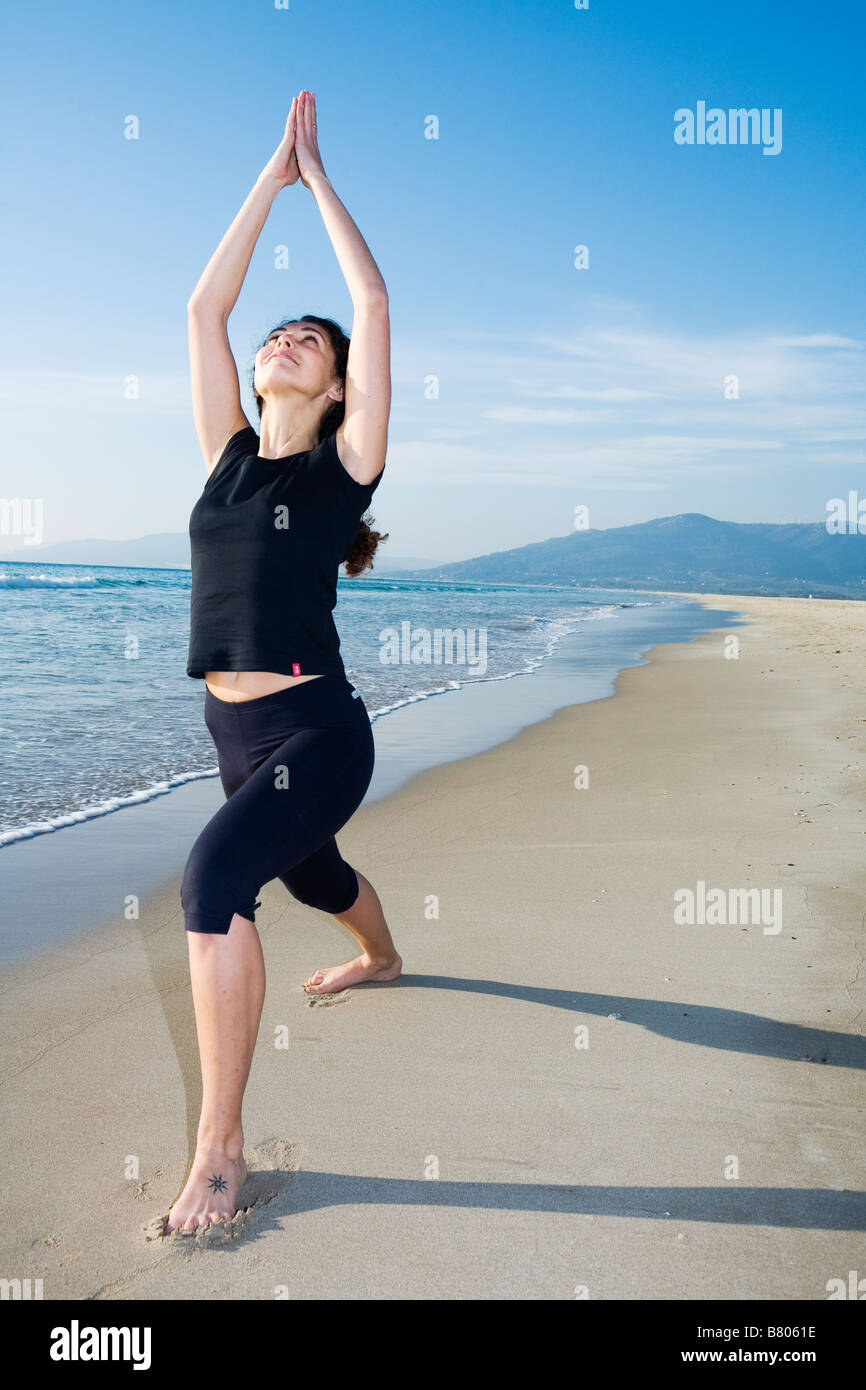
(295, 766)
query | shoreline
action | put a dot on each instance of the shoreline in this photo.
(605, 1165)
(141, 795)
(54, 884)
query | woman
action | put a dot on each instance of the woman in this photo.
(278, 514)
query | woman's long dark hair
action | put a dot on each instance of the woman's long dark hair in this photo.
(366, 542)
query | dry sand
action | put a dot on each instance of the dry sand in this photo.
(567, 1091)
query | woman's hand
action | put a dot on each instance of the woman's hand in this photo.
(306, 146)
(282, 166)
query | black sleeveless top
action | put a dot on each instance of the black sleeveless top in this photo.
(267, 537)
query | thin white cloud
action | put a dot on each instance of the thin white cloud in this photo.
(615, 395)
(159, 392)
(816, 340)
(526, 415)
(694, 443)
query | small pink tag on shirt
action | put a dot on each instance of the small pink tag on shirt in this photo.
(296, 668)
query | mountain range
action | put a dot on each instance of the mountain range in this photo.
(691, 552)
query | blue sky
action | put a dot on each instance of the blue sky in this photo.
(558, 386)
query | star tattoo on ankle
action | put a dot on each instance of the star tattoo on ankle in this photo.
(217, 1182)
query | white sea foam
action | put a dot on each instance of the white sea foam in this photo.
(47, 581)
(102, 808)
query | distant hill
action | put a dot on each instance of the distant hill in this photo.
(690, 552)
(163, 550)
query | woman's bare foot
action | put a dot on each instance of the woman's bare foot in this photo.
(211, 1192)
(354, 972)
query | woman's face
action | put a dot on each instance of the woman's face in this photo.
(297, 354)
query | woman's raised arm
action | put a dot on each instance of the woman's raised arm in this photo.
(362, 439)
(216, 396)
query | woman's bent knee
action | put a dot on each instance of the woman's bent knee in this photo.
(210, 895)
(337, 896)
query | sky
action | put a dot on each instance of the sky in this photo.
(704, 354)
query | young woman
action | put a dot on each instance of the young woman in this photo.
(279, 512)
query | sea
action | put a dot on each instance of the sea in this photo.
(97, 712)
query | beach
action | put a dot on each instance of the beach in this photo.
(569, 1093)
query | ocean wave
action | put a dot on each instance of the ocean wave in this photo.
(64, 581)
(394, 584)
(556, 629)
(101, 808)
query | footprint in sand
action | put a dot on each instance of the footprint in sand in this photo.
(272, 1166)
(325, 1001)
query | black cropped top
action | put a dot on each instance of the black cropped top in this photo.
(267, 537)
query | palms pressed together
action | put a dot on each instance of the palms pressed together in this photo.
(297, 155)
